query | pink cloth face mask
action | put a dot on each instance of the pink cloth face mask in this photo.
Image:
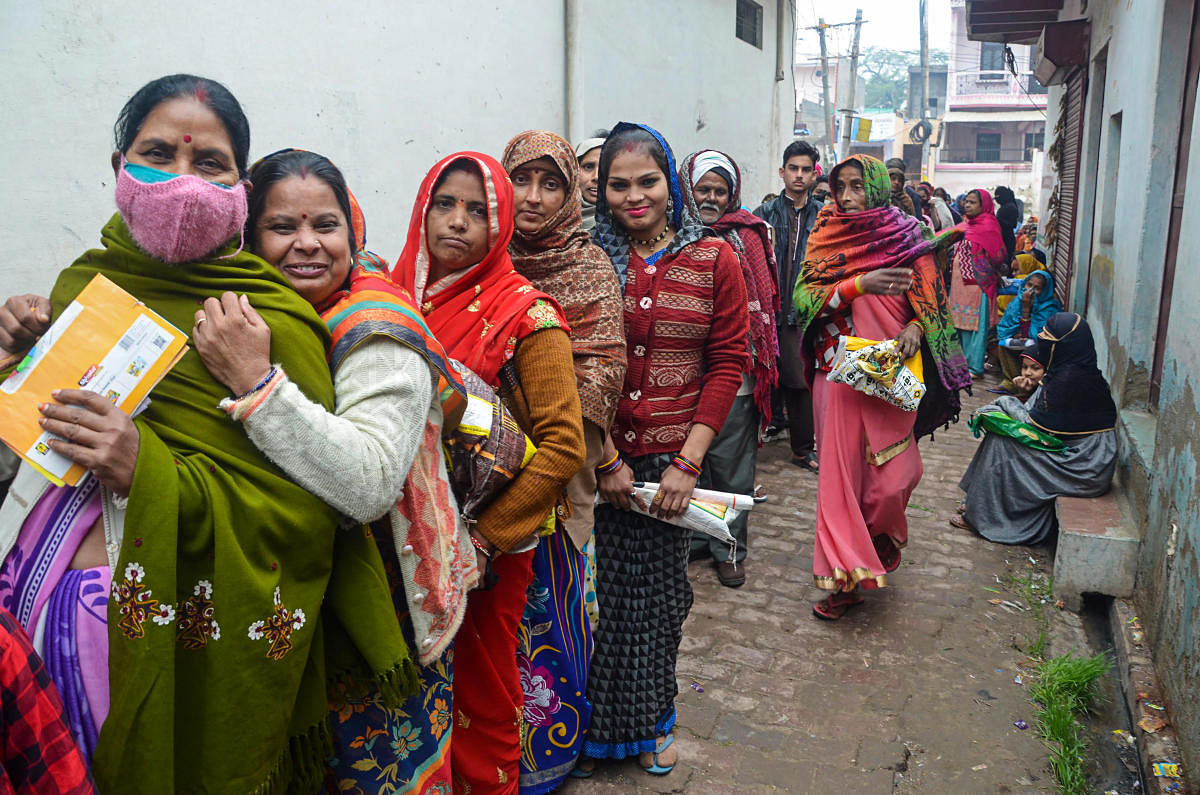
(179, 218)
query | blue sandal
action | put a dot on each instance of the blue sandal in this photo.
(583, 772)
(655, 768)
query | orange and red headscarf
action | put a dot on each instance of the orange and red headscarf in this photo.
(479, 313)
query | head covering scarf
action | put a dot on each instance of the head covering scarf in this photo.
(1075, 398)
(587, 145)
(985, 248)
(843, 245)
(479, 313)
(587, 209)
(609, 235)
(750, 237)
(560, 259)
(1045, 306)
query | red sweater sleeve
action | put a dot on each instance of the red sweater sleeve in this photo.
(725, 354)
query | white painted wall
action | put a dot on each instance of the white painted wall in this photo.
(686, 74)
(384, 89)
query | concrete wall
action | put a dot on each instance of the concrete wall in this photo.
(699, 85)
(384, 90)
(1138, 60)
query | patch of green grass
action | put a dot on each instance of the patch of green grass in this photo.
(1037, 649)
(1065, 690)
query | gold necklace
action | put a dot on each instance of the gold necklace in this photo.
(654, 240)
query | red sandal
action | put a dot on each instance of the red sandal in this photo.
(834, 606)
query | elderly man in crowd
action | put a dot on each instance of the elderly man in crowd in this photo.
(715, 186)
(792, 215)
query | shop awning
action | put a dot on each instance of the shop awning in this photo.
(1010, 21)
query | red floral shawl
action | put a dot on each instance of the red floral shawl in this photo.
(479, 314)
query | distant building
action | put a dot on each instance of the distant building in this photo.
(994, 121)
(937, 92)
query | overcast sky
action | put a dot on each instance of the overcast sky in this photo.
(888, 23)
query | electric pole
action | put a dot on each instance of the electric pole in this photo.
(825, 95)
(849, 120)
(924, 11)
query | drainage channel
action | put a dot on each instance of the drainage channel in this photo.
(1112, 766)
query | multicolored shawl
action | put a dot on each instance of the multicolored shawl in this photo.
(986, 252)
(442, 567)
(1074, 399)
(750, 237)
(843, 245)
(479, 313)
(560, 259)
(212, 525)
(609, 235)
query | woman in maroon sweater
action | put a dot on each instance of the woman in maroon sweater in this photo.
(685, 332)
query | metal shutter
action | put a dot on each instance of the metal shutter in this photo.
(1068, 185)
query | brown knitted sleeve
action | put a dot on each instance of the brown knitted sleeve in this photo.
(546, 404)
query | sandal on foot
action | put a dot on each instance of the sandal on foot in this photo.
(579, 771)
(961, 509)
(960, 522)
(834, 606)
(654, 768)
(808, 462)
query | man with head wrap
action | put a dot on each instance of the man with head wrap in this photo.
(903, 197)
(711, 187)
(587, 152)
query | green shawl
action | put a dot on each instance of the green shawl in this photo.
(217, 664)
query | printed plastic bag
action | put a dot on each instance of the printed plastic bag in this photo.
(875, 368)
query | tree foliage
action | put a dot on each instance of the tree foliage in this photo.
(886, 74)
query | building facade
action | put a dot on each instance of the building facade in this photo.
(994, 122)
(1125, 242)
(385, 90)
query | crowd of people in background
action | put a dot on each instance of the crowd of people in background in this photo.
(294, 536)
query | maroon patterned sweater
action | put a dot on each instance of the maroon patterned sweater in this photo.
(685, 337)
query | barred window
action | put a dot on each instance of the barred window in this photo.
(749, 26)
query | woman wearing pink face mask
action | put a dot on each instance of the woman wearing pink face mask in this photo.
(184, 586)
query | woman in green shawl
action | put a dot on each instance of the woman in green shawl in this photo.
(202, 572)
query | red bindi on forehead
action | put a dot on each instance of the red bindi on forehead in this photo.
(630, 146)
(187, 139)
(304, 216)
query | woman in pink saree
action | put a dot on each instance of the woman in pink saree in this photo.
(871, 272)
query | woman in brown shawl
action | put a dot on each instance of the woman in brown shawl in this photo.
(551, 249)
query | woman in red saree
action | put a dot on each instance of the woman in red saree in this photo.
(871, 272)
(490, 318)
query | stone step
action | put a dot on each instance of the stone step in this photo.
(1097, 548)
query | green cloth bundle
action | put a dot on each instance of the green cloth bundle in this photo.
(1028, 435)
(217, 663)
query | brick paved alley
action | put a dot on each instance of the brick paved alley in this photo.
(886, 700)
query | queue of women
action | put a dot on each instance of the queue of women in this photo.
(267, 582)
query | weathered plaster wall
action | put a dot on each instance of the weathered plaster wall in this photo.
(1120, 276)
(1169, 574)
(1143, 87)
